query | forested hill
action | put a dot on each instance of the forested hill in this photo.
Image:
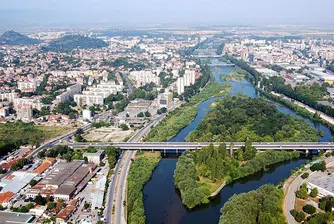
(15, 38)
(238, 118)
(70, 42)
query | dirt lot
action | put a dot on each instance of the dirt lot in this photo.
(106, 134)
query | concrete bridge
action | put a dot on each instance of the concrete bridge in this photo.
(162, 146)
(222, 64)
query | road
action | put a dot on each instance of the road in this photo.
(118, 182)
(310, 109)
(55, 141)
(133, 145)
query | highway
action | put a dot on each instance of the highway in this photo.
(117, 187)
(159, 146)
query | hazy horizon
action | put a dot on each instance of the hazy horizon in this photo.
(179, 12)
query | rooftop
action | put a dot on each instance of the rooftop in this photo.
(324, 180)
(13, 217)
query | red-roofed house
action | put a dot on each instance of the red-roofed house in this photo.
(5, 198)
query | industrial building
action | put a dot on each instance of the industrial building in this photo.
(323, 181)
(95, 157)
(64, 180)
(324, 77)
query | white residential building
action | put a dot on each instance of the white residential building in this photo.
(70, 92)
(142, 78)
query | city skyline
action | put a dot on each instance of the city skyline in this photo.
(157, 12)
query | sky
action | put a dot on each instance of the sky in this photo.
(177, 12)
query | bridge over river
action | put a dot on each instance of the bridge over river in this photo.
(161, 146)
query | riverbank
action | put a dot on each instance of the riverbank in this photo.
(182, 116)
(237, 74)
(140, 172)
(201, 174)
(248, 209)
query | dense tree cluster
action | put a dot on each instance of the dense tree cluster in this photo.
(166, 79)
(15, 38)
(70, 42)
(112, 154)
(262, 206)
(140, 172)
(61, 151)
(14, 135)
(239, 118)
(65, 108)
(307, 95)
(321, 166)
(331, 66)
(183, 115)
(216, 164)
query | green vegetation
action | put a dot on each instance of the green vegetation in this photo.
(314, 192)
(318, 166)
(331, 66)
(140, 172)
(299, 216)
(15, 38)
(305, 94)
(236, 74)
(14, 135)
(200, 173)
(101, 124)
(243, 65)
(305, 175)
(183, 115)
(220, 48)
(309, 209)
(70, 42)
(302, 192)
(65, 108)
(239, 118)
(262, 206)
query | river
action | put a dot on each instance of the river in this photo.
(163, 202)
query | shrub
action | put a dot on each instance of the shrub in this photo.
(300, 217)
(314, 192)
(294, 213)
(305, 175)
(309, 209)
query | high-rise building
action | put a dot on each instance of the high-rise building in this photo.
(180, 85)
(279, 43)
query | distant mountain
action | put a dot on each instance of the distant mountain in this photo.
(15, 38)
(70, 42)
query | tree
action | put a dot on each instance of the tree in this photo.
(309, 209)
(302, 193)
(305, 175)
(300, 217)
(124, 127)
(147, 114)
(40, 200)
(141, 114)
(314, 192)
(321, 166)
(33, 182)
(51, 205)
(86, 205)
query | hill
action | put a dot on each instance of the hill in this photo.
(15, 38)
(70, 42)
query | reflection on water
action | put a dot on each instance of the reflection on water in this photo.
(163, 202)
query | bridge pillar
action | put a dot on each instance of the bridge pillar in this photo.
(177, 151)
(165, 152)
(307, 152)
(231, 150)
